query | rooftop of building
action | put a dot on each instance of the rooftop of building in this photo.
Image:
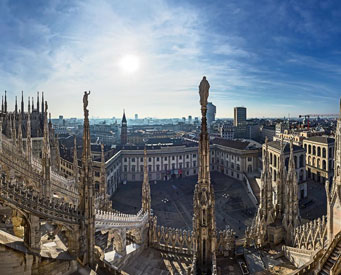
(277, 145)
(322, 139)
(236, 144)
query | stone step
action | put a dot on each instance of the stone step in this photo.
(325, 270)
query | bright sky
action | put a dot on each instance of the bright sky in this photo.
(148, 57)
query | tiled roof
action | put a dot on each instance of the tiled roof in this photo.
(322, 139)
(277, 145)
(236, 144)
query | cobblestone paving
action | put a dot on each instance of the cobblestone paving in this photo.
(172, 202)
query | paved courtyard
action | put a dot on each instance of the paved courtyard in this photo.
(172, 202)
(315, 205)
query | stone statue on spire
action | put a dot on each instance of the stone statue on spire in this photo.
(203, 91)
(85, 103)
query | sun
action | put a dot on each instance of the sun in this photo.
(129, 63)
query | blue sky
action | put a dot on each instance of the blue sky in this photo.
(273, 57)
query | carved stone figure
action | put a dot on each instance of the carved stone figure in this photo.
(85, 102)
(203, 91)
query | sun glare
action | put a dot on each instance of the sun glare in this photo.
(129, 63)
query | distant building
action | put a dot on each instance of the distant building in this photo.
(267, 131)
(274, 151)
(239, 116)
(320, 155)
(280, 127)
(124, 130)
(61, 120)
(190, 119)
(227, 131)
(211, 111)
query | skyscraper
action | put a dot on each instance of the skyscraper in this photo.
(239, 116)
(211, 111)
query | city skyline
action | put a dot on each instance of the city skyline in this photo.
(274, 59)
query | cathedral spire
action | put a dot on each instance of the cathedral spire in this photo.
(5, 101)
(291, 217)
(46, 157)
(20, 143)
(2, 104)
(87, 194)
(204, 225)
(146, 197)
(38, 102)
(42, 102)
(14, 130)
(22, 103)
(16, 105)
(28, 134)
(75, 159)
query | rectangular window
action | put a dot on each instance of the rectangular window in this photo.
(166, 167)
(133, 168)
(194, 163)
(187, 156)
(173, 166)
(157, 159)
(180, 157)
(125, 160)
(173, 157)
(141, 168)
(132, 159)
(165, 158)
(150, 159)
(249, 159)
(149, 168)
(157, 167)
(194, 156)
(187, 164)
(125, 168)
(141, 159)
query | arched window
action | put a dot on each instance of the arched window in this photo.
(309, 160)
(314, 150)
(330, 152)
(313, 161)
(324, 152)
(305, 147)
(323, 164)
(270, 158)
(319, 151)
(309, 149)
(318, 163)
(275, 161)
(275, 175)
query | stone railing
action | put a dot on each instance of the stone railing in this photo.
(297, 256)
(171, 239)
(18, 162)
(319, 259)
(11, 157)
(49, 208)
(108, 220)
(311, 235)
(329, 250)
